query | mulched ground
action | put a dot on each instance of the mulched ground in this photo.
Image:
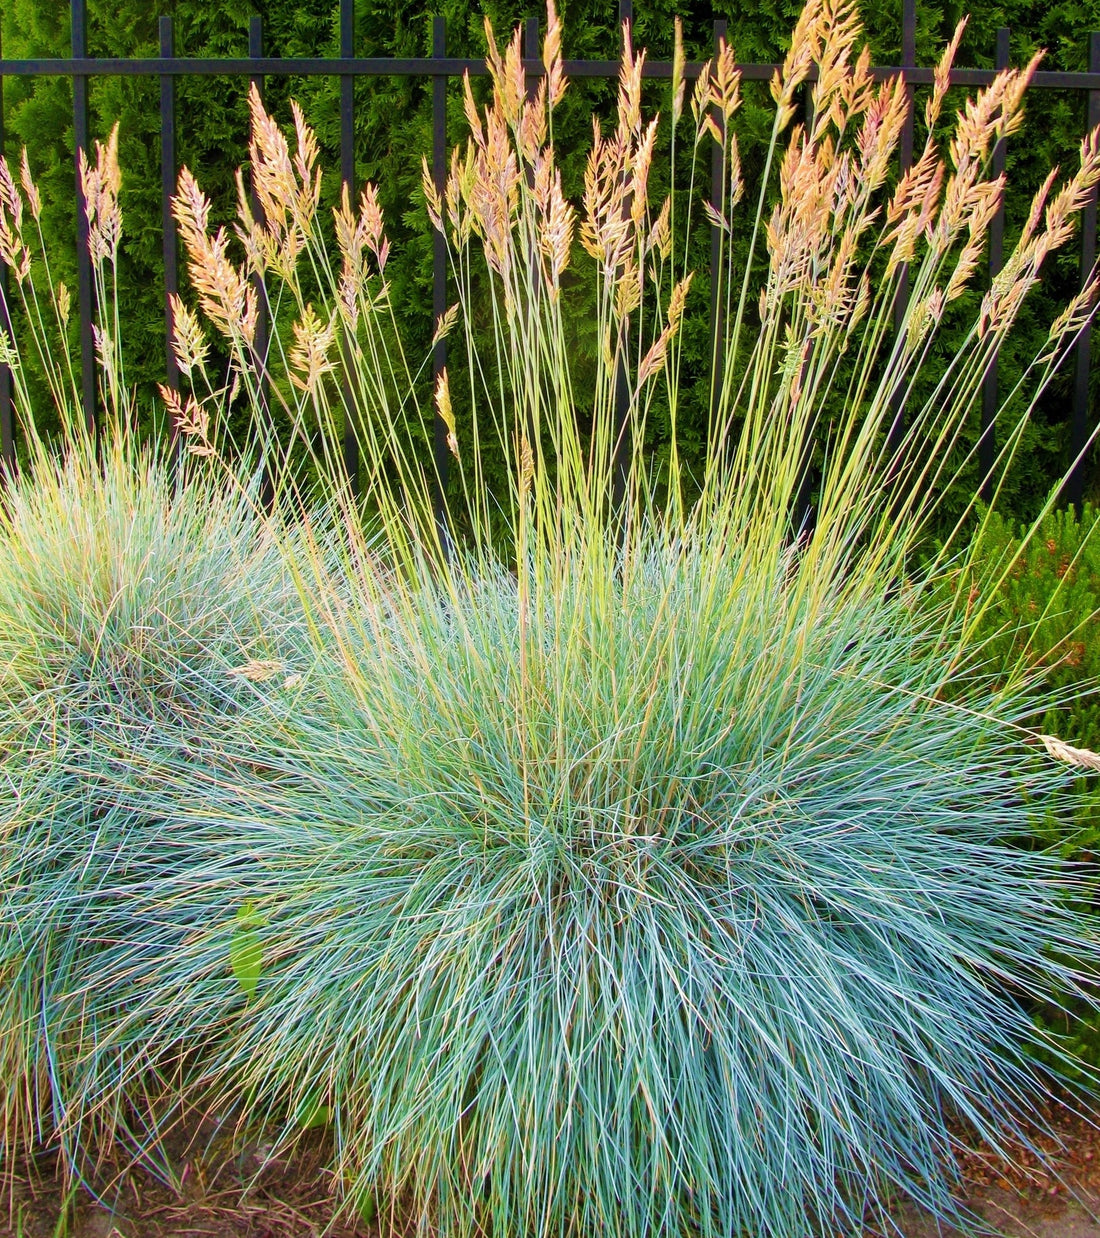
(234, 1198)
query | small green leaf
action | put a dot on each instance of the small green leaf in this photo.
(368, 1207)
(314, 1114)
(246, 951)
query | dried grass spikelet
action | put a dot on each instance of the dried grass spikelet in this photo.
(660, 235)
(188, 339)
(558, 220)
(225, 295)
(798, 234)
(11, 201)
(551, 56)
(679, 61)
(995, 112)
(924, 316)
(733, 171)
(912, 210)
(654, 359)
(628, 289)
(913, 207)
(724, 83)
(526, 468)
(700, 94)
(63, 301)
(34, 201)
(1075, 195)
(287, 189)
(606, 233)
(1084, 758)
(508, 78)
(630, 85)
(640, 164)
(348, 242)
(100, 184)
(308, 189)
(356, 234)
(445, 411)
(941, 80)
(259, 670)
(191, 421)
(473, 116)
(13, 252)
(432, 197)
(1078, 314)
(677, 302)
(272, 171)
(985, 202)
(797, 63)
(446, 323)
(106, 349)
(309, 354)
(833, 301)
(716, 218)
(880, 133)
(838, 90)
(260, 245)
(1021, 270)
(494, 195)
(457, 193)
(533, 126)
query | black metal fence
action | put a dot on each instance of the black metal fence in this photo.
(440, 68)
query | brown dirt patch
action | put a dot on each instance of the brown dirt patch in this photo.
(1050, 1192)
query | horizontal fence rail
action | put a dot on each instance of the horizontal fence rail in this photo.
(455, 66)
(440, 68)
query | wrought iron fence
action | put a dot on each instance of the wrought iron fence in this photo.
(440, 68)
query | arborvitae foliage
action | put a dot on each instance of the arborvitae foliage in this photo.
(1044, 590)
(393, 130)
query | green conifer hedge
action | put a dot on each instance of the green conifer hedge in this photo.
(393, 131)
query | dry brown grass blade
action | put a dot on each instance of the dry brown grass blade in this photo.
(1061, 751)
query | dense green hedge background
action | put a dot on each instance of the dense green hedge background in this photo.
(393, 129)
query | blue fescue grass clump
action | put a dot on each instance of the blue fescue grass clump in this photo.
(137, 613)
(668, 899)
(619, 854)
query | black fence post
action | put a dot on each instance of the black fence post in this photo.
(85, 296)
(168, 222)
(987, 444)
(347, 175)
(1079, 432)
(7, 412)
(439, 268)
(905, 161)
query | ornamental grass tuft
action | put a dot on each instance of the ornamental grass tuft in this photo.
(634, 854)
(680, 903)
(136, 613)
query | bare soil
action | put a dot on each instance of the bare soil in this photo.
(1052, 1194)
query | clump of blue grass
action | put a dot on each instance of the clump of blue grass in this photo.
(138, 613)
(633, 858)
(662, 892)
